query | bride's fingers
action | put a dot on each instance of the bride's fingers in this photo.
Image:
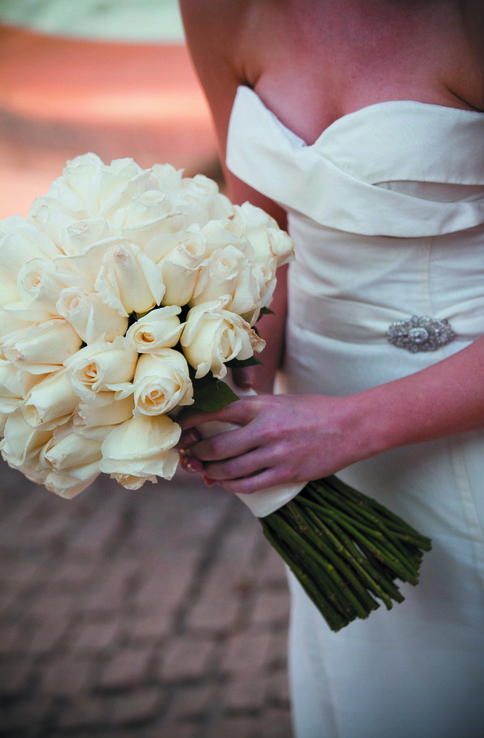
(240, 412)
(247, 485)
(238, 467)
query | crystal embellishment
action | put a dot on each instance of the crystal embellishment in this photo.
(420, 333)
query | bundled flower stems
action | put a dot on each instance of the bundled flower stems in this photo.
(124, 295)
(345, 549)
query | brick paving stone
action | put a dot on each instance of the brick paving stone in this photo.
(275, 724)
(149, 628)
(13, 638)
(24, 718)
(128, 668)
(271, 607)
(278, 690)
(96, 637)
(137, 706)
(83, 712)
(165, 582)
(15, 676)
(246, 693)
(70, 576)
(65, 676)
(277, 649)
(247, 652)
(180, 730)
(218, 606)
(192, 702)
(47, 634)
(240, 726)
(55, 607)
(186, 659)
(91, 538)
(271, 570)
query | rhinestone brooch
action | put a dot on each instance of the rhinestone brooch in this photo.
(420, 333)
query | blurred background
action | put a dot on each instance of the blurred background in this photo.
(149, 614)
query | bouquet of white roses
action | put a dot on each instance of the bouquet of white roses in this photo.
(124, 295)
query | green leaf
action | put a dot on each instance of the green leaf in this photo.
(241, 363)
(265, 311)
(211, 394)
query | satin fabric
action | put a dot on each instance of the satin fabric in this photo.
(386, 210)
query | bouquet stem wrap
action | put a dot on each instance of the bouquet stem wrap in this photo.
(344, 548)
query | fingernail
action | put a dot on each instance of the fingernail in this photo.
(194, 465)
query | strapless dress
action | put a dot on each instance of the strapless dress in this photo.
(386, 210)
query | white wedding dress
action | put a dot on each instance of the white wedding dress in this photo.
(386, 210)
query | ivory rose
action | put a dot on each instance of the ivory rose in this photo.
(160, 328)
(22, 445)
(21, 241)
(161, 382)
(179, 257)
(72, 461)
(228, 272)
(140, 450)
(129, 281)
(90, 317)
(108, 409)
(42, 348)
(213, 336)
(102, 366)
(14, 386)
(50, 402)
(266, 238)
(39, 286)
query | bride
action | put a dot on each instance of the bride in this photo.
(359, 125)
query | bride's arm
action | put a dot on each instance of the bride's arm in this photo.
(214, 30)
(296, 438)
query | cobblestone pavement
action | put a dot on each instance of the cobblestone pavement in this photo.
(147, 614)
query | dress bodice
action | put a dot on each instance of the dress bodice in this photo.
(386, 209)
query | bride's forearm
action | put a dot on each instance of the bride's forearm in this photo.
(442, 400)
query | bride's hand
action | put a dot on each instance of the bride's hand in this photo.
(280, 439)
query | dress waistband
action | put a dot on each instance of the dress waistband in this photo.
(357, 322)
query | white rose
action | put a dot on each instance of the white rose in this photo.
(42, 348)
(267, 239)
(69, 483)
(129, 281)
(105, 410)
(158, 329)
(50, 402)
(82, 270)
(166, 178)
(213, 336)
(225, 232)
(90, 317)
(39, 286)
(102, 366)
(21, 447)
(10, 323)
(21, 241)
(82, 234)
(140, 450)
(229, 273)
(8, 290)
(179, 257)
(14, 386)
(88, 187)
(72, 460)
(203, 191)
(161, 382)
